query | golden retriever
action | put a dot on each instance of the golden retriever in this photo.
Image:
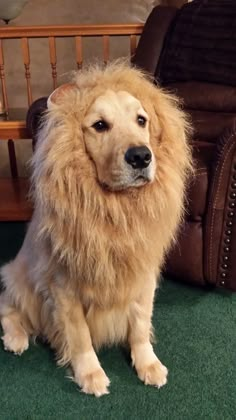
(109, 176)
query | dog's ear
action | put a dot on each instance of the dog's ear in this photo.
(57, 95)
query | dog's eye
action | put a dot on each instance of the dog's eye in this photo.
(141, 120)
(100, 126)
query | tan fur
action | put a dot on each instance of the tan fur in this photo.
(86, 273)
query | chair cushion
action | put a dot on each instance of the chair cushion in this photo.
(197, 193)
(185, 260)
(209, 126)
(206, 96)
(202, 44)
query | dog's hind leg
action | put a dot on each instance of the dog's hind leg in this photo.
(15, 337)
(13, 298)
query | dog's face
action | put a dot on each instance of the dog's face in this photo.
(117, 139)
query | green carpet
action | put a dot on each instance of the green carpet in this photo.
(196, 339)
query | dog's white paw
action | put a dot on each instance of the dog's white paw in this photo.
(96, 383)
(154, 374)
(17, 343)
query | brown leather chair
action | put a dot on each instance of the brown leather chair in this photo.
(191, 52)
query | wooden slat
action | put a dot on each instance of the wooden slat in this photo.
(79, 52)
(2, 76)
(26, 58)
(106, 52)
(53, 59)
(133, 44)
(14, 206)
(12, 32)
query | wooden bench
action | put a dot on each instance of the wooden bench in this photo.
(13, 190)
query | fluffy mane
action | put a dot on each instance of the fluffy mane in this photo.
(100, 236)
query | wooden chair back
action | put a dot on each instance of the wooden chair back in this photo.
(13, 190)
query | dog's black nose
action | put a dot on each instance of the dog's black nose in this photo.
(138, 157)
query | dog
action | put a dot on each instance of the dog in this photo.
(109, 176)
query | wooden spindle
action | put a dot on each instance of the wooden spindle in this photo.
(106, 46)
(53, 59)
(26, 58)
(133, 44)
(79, 52)
(3, 81)
(12, 158)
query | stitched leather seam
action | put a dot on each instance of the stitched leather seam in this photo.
(221, 252)
(201, 173)
(216, 198)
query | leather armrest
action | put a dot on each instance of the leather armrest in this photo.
(220, 220)
(153, 37)
(34, 117)
(206, 245)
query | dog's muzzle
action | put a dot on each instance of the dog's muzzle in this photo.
(138, 157)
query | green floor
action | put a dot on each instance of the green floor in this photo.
(196, 340)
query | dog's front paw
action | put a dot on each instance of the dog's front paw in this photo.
(96, 383)
(154, 374)
(149, 368)
(17, 343)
